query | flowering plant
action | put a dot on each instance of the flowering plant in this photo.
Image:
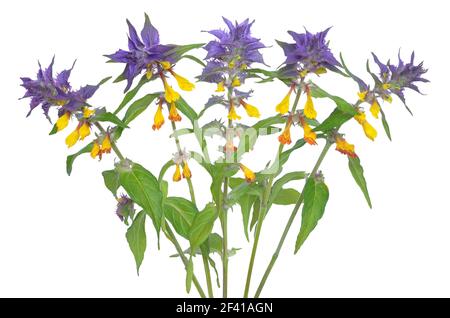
(233, 59)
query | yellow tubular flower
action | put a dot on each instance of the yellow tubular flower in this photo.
(236, 82)
(344, 147)
(63, 121)
(321, 70)
(95, 151)
(173, 113)
(73, 137)
(362, 96)
(370, 132)
(85, 130)
(283, 106)
(87, 112)
(309, 110)
(375, 108)
(386, 86)
(166, 65)
(170, 94)
(186, 171)
(232, 113)
(220, 87)
(360, 118)
(251, 110)
(248, 174)
(285, 137)
(177, 175)
(387, 98)
(106, 144)
(309, 135)
(183, 83)
(158, 120)
(303, 73)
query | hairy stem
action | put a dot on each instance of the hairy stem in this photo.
(290, 221)
(264, 202)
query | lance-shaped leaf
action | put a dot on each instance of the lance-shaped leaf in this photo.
(111, 118)
(335, 120)
(202, 226)
(341, 103)
(137, 239)
(286, 197)
(181, 214)
(315, 199)
(278, 186)
(132, 93)
(189, 274)
(138, 106)
(187, 110)
(387, 130)
(71, 158)
(354, 164)
(111, 179)
(143, 188)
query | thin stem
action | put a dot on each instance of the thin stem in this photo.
(192, 194)
(171, 236)
(290, 221)
(263, 210)
(113, 143)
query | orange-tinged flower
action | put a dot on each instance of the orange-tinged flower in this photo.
(158, 120)
(173, 113)
(177, 174)
(106, 144)
(308, 134)
(309, 110)
(229, 147)
(248, 174)
(251, 110)
(285, 137)
(186, 171)
(63, 121)
(232, 115)
(344, 147)
(95, 151)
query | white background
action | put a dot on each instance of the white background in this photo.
(59, 235)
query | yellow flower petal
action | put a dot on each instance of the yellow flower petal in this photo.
(283, 106)
(386, 86)
(87, 112)
(220, 87)
(106, 144)
(285, 137)
(158, 120)
(362, 96)
(186, 171)
(177, 175)
(166, 65)
(309, 135)
(344, 147)
(63, 121)
(236, 82)
(309, 110)
(85, 130)
(170, 94)
(321, 70)
(183, 83)
(360, 118)
(387, 98)
(95, 151)
(370, 132)
(375, 108)
(232, 113)
(251, 110)
(72, 138)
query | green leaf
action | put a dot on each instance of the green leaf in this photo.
(138, 106)
(255, 215)
(103, 81)
(143, 188)
(341, 103)
(111, 179)
(164, 169)
(179, 50)
(132, 93)
(181, 214)
(189, 274)
(316, 197)
(286, 197)
(137, 239)
(193, 58)
(110, 117)
(246, 202)
(202, 226)
(54, 130)
(357, 171)
(335, 120)
(287, 153)
(213, 265)
(181, 132)
(71, 158)
(187, 110)
(278, 185)
(385, 125)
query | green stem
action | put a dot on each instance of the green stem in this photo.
(171, 236)
(263, 211)
(113, 143)
(290, 221)
(192, 194)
